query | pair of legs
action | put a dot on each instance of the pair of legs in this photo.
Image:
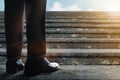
(34, 11)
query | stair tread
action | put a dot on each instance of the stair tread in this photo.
(78, 25)
(68, 40)
(74, 25)
(77, 40)
(82, 21)
(76, 52)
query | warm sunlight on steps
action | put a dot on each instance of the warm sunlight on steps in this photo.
(78, 37)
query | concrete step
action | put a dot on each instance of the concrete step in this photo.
(81, 30)
(77, 19)
(83, 17)
(77, 25)
(80, 13)
(77, 45)
(83, 13)
(88, 43)
(81, 21)
(84, 45)
(92, 40)
(76, 56)
(74, 20)
(75, 53)
(75, 30)
(83, 53)
(78, 40)
(70, 72)
(81, 35)
(87, 61)
(76, 61)
(69, 15)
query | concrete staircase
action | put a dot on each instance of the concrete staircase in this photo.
(78, 37)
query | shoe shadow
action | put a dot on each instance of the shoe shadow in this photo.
(3, 76)
(17, 76)
(20, 76)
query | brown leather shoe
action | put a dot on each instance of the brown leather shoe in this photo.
(37, 66)
(13, 67)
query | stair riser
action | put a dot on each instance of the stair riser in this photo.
(77, 61)
(77, 17)
(76, 25)
(86, 61)
(76, 35)
(78, 45)
(75, 30)
(78, 20)
(83, 35)
(81, 45)
(79, 13)
(84, 45)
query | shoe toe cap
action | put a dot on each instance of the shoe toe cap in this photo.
(55, 65)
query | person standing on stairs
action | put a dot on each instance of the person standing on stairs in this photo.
(36, 62)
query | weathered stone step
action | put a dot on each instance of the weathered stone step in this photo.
(75, 30)
(84, 17)
(82, 45)
(82, 21)
(79, 20)
(70, 40)
(82, 53)
(76, 61)
(81, 30)
(82, 56)
(82, 35)
(75, 53)
(79, 40)
(95, 45)
(75, 25)
(83, 13)
(81, 16)
(79, 13)
(87, 61)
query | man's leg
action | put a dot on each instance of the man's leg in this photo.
(13, 26)
(36, 27)
(36, 62)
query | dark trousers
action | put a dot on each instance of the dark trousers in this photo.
(34, 11)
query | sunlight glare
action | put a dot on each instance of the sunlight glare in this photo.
(111, 6)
